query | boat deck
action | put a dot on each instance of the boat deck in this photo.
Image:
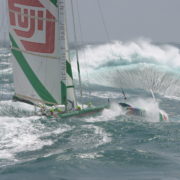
(83, 112)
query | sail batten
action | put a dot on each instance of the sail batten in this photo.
(41, 67)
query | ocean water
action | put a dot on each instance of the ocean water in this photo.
(106, 146)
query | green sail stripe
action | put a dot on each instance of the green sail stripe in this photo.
(31, 76)
(69, 69)
(54, 2)
(63, 93)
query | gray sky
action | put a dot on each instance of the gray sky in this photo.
(125, 19)
(131, 19)
(3, 20)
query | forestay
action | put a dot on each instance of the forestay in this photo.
(41, 65)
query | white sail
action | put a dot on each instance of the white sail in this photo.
(42, 69)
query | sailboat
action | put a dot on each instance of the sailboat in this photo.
(41, 63)
(40, 57)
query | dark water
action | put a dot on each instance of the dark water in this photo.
(110, 145)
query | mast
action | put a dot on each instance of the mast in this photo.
(68, 80)
(41, 67)
(61, 25)
(76, 48)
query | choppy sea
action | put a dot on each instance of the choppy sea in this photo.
(106, 146)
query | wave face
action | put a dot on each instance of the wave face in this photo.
(109, 145)
(139, 64)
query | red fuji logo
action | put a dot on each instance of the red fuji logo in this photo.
(30, 21)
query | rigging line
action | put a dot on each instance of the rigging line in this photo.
(82, 42)
(76, 48)
(124, 95)
(103, 20)
(104, 24)
(1, 78)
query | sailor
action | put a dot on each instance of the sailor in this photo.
(40, 105)
(52, 109)
(59, 110)
(89, 105)
(78, 108)
(42, 108)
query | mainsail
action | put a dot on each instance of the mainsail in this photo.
(41, 65)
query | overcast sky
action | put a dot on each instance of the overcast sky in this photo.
(131, 19)
(125, 19)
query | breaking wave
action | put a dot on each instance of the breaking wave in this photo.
(139, 64)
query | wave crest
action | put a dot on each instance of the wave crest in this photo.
(139, 64)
